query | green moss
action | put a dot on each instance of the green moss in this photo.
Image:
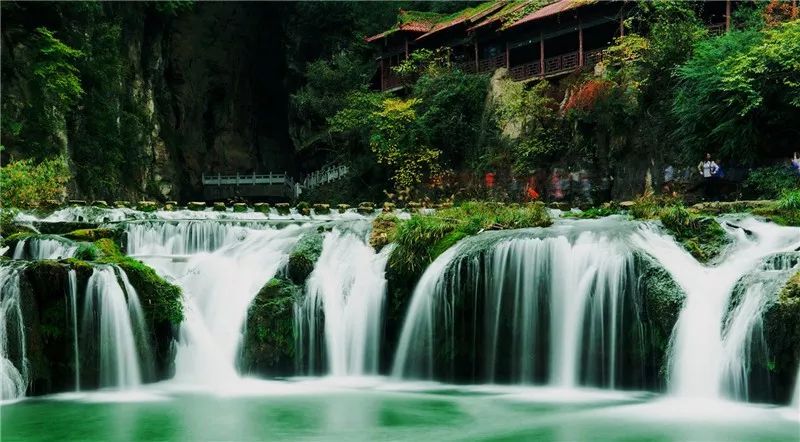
(283, 208)
(593, 212)
(160, 300)
(92, 234)
(12, 240)
(268, 347)
(422, 238)
(303, 256)
(703, 237)
(782, 333)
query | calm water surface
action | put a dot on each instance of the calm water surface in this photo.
(320, 410)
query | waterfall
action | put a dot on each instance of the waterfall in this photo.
(13, 351)
(72, 295)
(743, 337)
(698, 352)
(796, 396)
(185, 237)
(345, 292)
(113, 315)
(531, 309)
(44, 248)
(226, 266)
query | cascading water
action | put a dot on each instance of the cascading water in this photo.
(13, 351)
(113, 315)
(226, 266)
(346, 292)
(44, 248)
(72, 295)
(697, 366)
(743, 338)
(552, 310)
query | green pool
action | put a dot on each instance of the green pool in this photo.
(321, 410)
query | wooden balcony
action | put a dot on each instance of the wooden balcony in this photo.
(553, 66)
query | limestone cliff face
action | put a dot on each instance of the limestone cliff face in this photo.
(201, 90)
(222, 104)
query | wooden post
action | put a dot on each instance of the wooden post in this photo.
(477, 65)
(541, 53)
(727, 15)
(382, 80)
(508, 59)
(580, 44)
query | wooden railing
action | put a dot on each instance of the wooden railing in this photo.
(247, 179)
(490, 64)
(557, 65)
(325, 175)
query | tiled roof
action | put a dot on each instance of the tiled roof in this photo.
(509, 8)
(410, 21)
(550, 10)
(469, 16)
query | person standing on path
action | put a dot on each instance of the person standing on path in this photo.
(707, 168)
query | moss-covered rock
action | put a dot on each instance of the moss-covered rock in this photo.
(662, 301)
(12, 240)
(93, 234)
(303, 257)
(303, 208)
(100, 203)
(239, 207)
(782, 336)
(283, 208)
(219, 207)
(147, 206)
(702, 236)
(388, 207)
(261, 207)
(366, 208)
(383, 230)
(122, 204)
(268, 347)
(161, 300)
(171, 206)
(196, 206)
(342, 207)
(322, 209)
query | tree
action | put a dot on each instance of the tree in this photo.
(741, 92)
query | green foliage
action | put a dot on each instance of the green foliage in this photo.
(26, 184)
(529, 121)
(770, 182)
(92, 234)
(741, 92)
(420, 239)
(790, 200)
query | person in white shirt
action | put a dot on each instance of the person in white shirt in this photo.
(707, 168)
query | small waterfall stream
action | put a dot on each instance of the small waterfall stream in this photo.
(220, 267)
(114, 315)
(72, 294)
(13, 351)
(44, 248)
(698, 349)
(541, 309)
(346, 292)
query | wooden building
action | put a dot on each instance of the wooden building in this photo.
(530, 40)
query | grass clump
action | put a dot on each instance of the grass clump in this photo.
(593, 212)
(703, 237)
(422, 238)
